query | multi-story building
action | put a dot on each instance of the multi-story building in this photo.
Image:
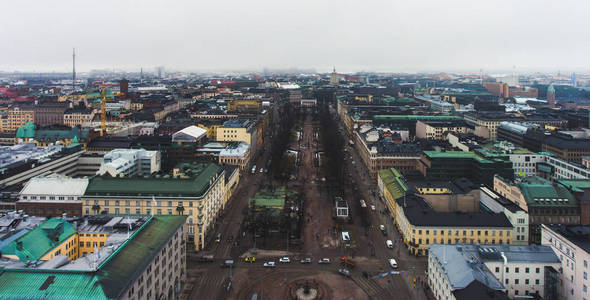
(546, 202)
(103, 257)
(479, 166)
(198, 193)
(422, 226)
(236, 154)
(435, 130)
(499, 89)
(571, 243)
(74, 117)
(519, 271)
(383, 148)
(492, 202)
(52, 196)
(493, 120)
(22, 162)
(17, 116)
(50, 113)
(130, 162)
(239, 130)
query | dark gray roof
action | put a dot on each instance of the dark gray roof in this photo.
(478, 290)
(419, 213)
(577, 234)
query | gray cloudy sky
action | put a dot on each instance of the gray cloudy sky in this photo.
(388, 35)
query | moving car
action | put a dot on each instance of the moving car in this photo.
(372, 207)
(389, 244)
(218, 239)
(284, 260)
(344, 272)
(228, 263)
(324, 261)
(270, 264)
(393, 263)
(250, 259)
(306, 260)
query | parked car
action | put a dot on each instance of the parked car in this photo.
(306, 260)
(270, 264)
(344, 272)
(324, 261)
(284, 260)
(393, 263)
(389, 244)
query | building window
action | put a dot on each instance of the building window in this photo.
(526, 281)
(526, 270)
(516, 270)
(537, 270)
(497, 269)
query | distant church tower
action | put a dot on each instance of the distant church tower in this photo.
(334, 78)
(551, 95)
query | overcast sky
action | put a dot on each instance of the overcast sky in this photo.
(360, 35)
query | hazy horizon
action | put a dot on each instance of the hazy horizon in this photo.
(372, 36)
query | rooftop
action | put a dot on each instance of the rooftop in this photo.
(419, 213)
(462, 268)
(196, 185)
(57, 185)
(112, 276)
(577, 234)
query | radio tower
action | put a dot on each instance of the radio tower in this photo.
(73, 70)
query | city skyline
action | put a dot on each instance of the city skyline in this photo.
(380, 36)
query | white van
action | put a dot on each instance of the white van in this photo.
(393, 263)
(389, 244)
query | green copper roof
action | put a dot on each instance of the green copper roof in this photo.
(575, 185)
(26, 131)
(159, 187)
(35, 244)
(538, 191)
(110, 281)
(550, 89)
(392, 180)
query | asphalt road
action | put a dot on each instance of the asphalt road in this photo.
(209, 281)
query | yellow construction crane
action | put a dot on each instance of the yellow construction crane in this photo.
(103, 107)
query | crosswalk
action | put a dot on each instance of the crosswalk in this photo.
(205, 285)
(371, 288)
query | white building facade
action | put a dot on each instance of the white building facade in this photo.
(130, 162)
(571, 243)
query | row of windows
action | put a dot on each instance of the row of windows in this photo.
(471, 232)
(137, 203)
(61, 198)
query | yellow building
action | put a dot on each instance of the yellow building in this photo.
(242, 105)
(235, 130)
(198, 192)
(421, 226)
(16, 117)
(73, 117)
